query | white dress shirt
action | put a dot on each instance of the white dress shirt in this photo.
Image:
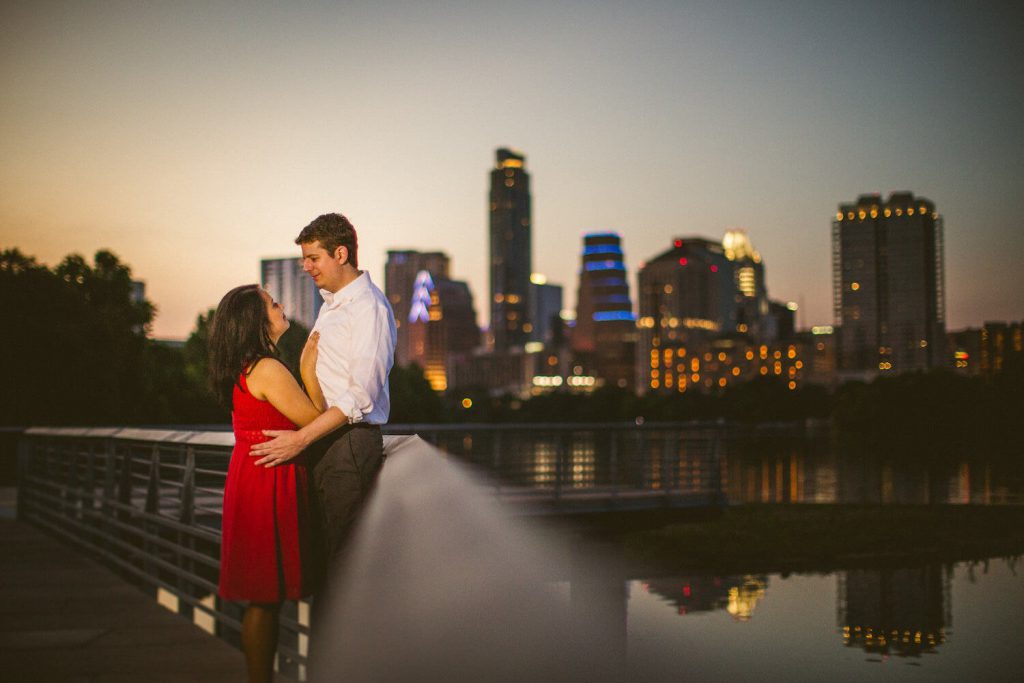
(356, 350)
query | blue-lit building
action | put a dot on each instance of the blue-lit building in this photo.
(604, 338)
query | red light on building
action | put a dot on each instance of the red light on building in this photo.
(686, 591)
(682, 261)
(678, 243)
(714, 269)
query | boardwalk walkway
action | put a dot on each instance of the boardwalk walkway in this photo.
(64, 617)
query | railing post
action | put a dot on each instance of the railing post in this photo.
(90, 477)
(717, 495)
(124, 484)
(24, 468)
(187, 513)
(561, 453)
(153, 490)
(496, 463)
(666, 465)
(495, 450)
(613, 465)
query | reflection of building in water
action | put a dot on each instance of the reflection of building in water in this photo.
(867, 479)
(577, 469)
(780, 470)
(738, 595)
(895, 611)
(581, 465)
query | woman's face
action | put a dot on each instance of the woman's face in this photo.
(277, 324)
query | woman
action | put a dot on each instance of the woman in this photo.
(266, 541)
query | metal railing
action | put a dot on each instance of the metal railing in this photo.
(587, 467)
(148, 502)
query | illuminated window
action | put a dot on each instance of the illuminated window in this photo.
(792, 386)
(736, 371)
(888, 212)
(721, 382)
(855, 286)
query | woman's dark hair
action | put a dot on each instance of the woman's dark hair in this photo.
(238, 338)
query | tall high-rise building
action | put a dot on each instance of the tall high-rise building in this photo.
(750, 291)
(441, 326)
(888, 289)
(545, 309)
(691, 285)
(291, 287)
(605, 333)
(510, 227)
(400, 273)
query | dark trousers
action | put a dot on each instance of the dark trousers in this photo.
(345, 471)
(345, 465)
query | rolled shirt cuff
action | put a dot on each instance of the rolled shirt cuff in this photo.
(347, 405)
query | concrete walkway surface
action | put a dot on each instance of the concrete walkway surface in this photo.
(64, 617)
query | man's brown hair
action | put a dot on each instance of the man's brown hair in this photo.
(332, 230)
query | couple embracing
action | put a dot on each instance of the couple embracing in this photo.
(304, 462)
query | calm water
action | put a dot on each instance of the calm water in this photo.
(931, 622)
(777, 464)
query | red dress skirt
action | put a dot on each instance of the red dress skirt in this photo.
(266, 540)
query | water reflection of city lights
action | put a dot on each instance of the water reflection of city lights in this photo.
(744, 598)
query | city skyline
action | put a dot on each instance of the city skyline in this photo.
(194, 143)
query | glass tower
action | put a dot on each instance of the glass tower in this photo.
(510, 251)
(605, 332)
(888, 289)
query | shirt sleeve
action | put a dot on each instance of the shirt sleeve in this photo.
(358, 360)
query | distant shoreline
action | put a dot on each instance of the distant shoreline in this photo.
(817, 537)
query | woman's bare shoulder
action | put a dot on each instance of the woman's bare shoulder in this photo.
(264, 374)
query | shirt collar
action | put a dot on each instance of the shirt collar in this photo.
(348, 292)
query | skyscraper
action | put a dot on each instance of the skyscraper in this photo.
(693, 283)
(510, 262)
(545, 309)
(751, 293)
(605, 334)
(291, 287)
(400, 273)
(441, 325)
(888, 289)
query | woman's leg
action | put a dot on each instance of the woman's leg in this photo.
(259, 640)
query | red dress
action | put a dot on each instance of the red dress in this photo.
(266, 540)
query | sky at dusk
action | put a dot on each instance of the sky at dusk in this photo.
(193, 139)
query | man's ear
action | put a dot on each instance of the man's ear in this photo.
(341, 255)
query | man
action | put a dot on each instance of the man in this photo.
(356, 352)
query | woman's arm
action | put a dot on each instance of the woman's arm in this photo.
(307, 368)
(270, 380)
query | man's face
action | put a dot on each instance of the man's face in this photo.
(326, 269)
